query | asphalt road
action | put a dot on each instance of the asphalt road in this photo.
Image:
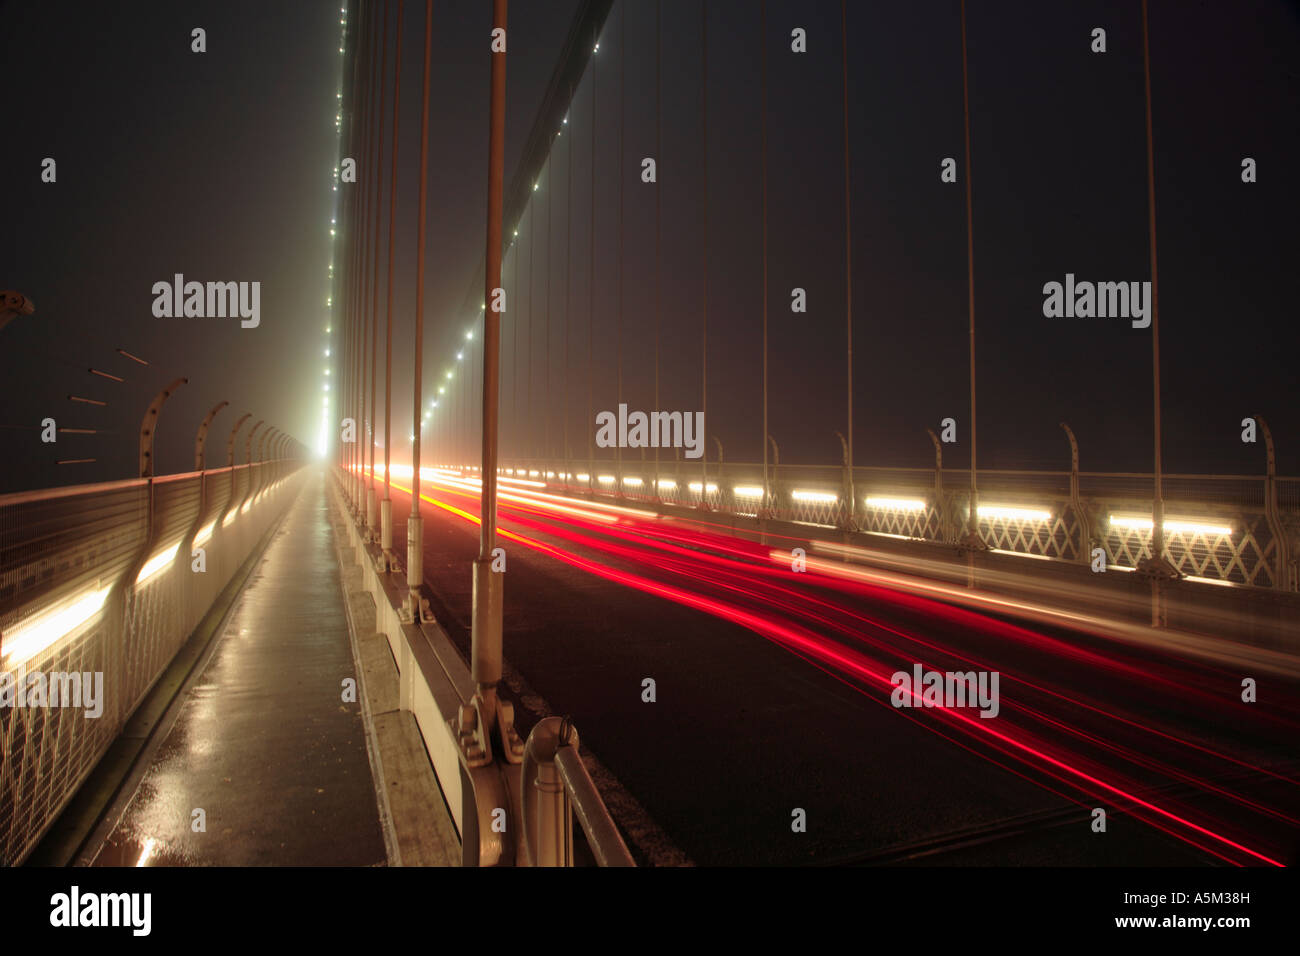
(750, 725)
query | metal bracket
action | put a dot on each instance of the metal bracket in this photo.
(421, 615)
(149, 425)
(512, 744)
(471, 732)
(1158, 569)
(971, 542)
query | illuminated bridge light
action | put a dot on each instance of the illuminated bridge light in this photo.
(1006, 513)
(1175, 525)
(157, 563)
(605, 479)
(583, 477)
(896, 504)
(747, 491)
(630, 482)
(667, 483)
(695, 486)
(818, 497)
(28, 638)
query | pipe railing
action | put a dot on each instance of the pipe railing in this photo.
(555, 786)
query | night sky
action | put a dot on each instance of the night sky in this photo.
(220, 166)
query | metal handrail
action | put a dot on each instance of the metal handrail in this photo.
(602, 834)
(555, 783)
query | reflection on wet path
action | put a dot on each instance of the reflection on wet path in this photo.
(266, 763)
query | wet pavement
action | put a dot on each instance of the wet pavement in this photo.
(266, 763)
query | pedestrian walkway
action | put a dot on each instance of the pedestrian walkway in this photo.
(262, 759)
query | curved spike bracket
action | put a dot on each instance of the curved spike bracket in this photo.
(248, 442)
(230, 443)
(149, 425)
(201, 439)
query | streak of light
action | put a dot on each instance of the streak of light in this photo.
(147, 852)
(1015, 742)
(1025, 747)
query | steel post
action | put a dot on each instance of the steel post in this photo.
(486, 638)
(414, 526)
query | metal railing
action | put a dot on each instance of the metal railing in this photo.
(1225, 528)
(556, 784)
(108, 580)
(540, 784)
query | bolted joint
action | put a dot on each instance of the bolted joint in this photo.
(971, 542)
(473, 743)
(1158, 569)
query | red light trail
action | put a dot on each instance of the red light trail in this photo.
(812, 615)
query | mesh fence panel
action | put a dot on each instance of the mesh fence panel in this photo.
(1023, 512)
(95, 599)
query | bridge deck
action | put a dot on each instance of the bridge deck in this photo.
(262, 740)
